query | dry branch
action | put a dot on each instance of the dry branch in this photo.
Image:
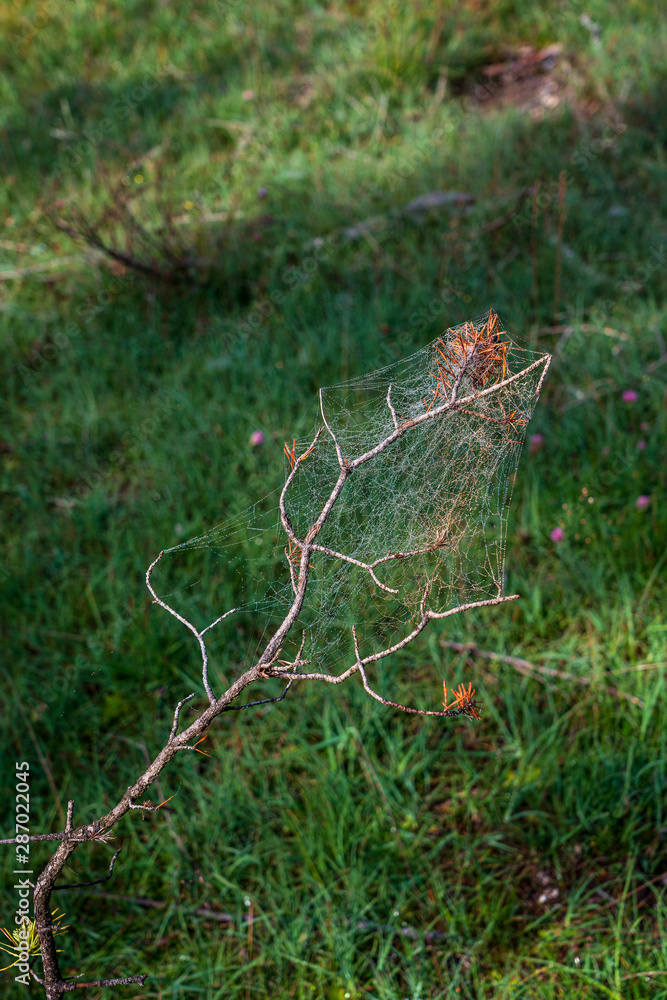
(484, 361)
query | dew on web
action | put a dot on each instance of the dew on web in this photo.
(436, 500)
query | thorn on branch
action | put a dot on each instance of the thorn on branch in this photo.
(148, 806)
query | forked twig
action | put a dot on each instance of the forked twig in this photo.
(199, 636)
(370, 567)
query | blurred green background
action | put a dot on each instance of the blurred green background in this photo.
(208, 211)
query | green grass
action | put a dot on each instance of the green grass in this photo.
(127, 411)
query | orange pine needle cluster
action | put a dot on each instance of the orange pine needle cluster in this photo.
(294, 554)
(290, 452)
(478, 350)
(197, 744)
(513, 420)
(463, 701)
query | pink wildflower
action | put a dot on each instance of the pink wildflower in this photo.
(629, 396)
(557, 535)
(256, 438)
(536, 442)
(641, 445)
(248, 95)
(643, 501)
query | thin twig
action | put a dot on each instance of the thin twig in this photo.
(177, 713)
(538, 390)
(341, 460)
(562, 213)
(263, 701)
(83, 885)
(391, 408)
(160, 904)
(641, 666)
(65, 987)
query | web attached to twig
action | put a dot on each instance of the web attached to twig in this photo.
(426, 515)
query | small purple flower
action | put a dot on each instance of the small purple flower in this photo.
(536, 442)
(643, 501)
(557, 535)
(262, 193)
(641, 445)
(256, 438)
(629, 396)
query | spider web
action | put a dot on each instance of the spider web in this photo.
(442, 491)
